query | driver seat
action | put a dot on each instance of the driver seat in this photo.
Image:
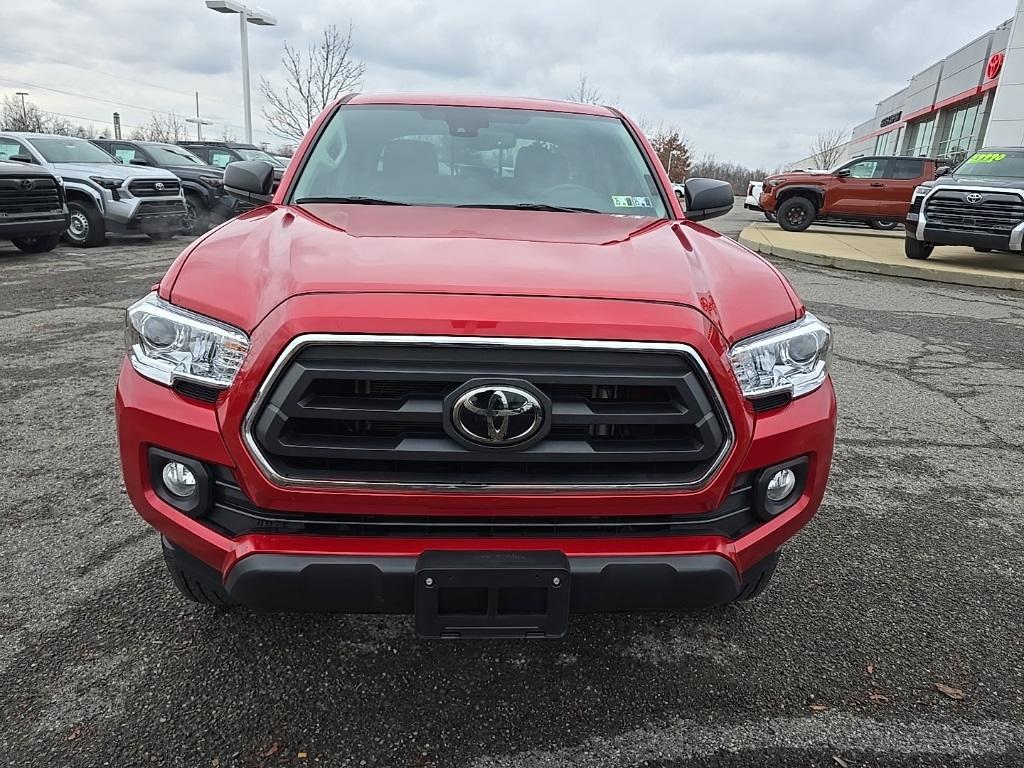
(538, 169)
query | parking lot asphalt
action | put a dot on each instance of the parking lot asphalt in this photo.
(892, 634)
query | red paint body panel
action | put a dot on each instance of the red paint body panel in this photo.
(282, 271)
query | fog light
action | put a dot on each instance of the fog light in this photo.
(179, 479)
(780, 486)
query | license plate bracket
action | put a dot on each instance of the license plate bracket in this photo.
(461, 595)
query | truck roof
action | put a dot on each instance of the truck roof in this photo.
(493, 102)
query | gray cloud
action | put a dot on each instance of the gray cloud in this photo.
(747, 80)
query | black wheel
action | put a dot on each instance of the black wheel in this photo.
(756, 581)
(194, 587)
(883, 224)
(197, 216)
(796, 214)
(40, 244)
(979, 250)
(915, 249)
(86, 229)
(770, 216)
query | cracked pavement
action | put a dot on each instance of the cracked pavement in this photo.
(911, 575)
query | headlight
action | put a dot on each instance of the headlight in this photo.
(211, 181)
(918, 191)
(107, 183)
(167, 343)
(792, 359)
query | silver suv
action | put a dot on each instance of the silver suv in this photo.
(103, 195)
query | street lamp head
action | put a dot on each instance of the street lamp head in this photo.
(225, 6)
(261, 18)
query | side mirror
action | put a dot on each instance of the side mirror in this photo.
(251, 180)
(943, 170)
(707, 198)
(843, 173)
(139, 161)
(22, 158)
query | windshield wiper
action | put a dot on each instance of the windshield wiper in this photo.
(530, 207)
(357, 200)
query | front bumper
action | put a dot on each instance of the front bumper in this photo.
(32, 225)
(131, 215)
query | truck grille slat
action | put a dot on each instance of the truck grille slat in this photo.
(43, 197)
(149, 188)
(374, 413)
(998, 213)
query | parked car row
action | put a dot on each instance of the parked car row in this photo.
(980, 204)
(104, 186)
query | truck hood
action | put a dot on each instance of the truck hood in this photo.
(248, 266)
(112, 171)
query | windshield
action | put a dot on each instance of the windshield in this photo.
(993, 164)
(480, 157)
(65, 150)
(164, 154)
(255, 154)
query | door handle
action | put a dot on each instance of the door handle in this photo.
(877, 184)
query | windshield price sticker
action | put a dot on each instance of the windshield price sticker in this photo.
(987, 157)
(626, 201)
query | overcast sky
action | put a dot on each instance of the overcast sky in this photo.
(750, 81)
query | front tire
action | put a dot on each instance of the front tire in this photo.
(796, 214)
(40, 244)
(86, 229)
(756, 582)
(885, 225)
(195, 588)
(197, 216)
(917, 250)
(770, 216)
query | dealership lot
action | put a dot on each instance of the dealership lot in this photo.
(892, 634)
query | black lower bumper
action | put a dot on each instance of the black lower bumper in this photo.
(13, 229)
(380, 584)
(954, 237)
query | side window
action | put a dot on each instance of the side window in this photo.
(867, 169)
(905, 168)
(220, 158)
(124, 152)
(10, 147)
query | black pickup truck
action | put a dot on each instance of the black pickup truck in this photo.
(33, 209)
(980, 204)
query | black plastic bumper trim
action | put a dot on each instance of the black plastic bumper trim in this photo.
(346, 584)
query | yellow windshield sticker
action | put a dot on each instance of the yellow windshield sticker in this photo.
(987, 157)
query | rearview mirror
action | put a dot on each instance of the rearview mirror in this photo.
(943, 170)
(707, 198)
(22, 158)
(251, 180)
(138, 161)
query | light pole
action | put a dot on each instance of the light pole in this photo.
(671, 156)
(252, 16)
(198, 121)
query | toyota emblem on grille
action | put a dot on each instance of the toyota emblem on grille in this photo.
(159, 186)
(497, 415)
(27, 184)
(974, 198)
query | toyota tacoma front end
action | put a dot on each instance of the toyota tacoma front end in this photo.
(473, 362)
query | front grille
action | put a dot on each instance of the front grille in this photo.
(43, 196)
(373, 413)
(161, 208)
(149, 188)
(996, 214)
(233, 514)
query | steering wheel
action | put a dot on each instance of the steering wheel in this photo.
(569, 188)
(573, 195)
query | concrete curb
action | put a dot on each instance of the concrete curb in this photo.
(916, 270)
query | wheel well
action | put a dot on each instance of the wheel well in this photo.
(74, 196)
(812, 196)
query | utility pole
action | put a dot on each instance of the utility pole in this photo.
(198, 121)
(117, 125)
(24, 109)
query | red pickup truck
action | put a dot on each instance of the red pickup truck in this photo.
(471, 361)
(873, 190)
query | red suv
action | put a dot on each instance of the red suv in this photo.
(472, 362)
(872, 190)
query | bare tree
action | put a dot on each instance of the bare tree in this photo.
(827, 148)
(168, 127)
(228, 133)
(739, 176)
(19, 115)
(674, 151)
(312, 81)
(585, 92)
(285, 150)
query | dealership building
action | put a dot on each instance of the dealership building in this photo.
(973, 97)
